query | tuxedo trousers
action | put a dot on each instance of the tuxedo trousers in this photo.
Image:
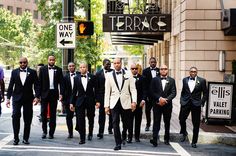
(196, 117)
(69, 119)
(52, 102)
(158, 111)
(27, 117)
(102, 118)
(118, 112)
(148, 108)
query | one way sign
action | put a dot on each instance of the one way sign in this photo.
(66, 35)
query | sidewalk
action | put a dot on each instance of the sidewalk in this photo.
(209, 134)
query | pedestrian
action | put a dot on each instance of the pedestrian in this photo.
(2, 89)
(136, 115)
(120, 98)
(193, 96)
(83, 101)
(22, 82)
(163, 90)
(149, 73)
(101, 77)
(68, 88)
(50, 77)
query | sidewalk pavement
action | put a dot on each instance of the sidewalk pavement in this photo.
(216, 133)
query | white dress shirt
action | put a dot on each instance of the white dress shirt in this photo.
(72, 75)
(163, 82)
(191, 84)
(51, 78)
(23, 76)
(154, 72)
(84, 81)
(119, 79)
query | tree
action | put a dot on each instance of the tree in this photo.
(134, 49)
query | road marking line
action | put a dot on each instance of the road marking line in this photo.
(5, 133)
(179, 149)
(84, 150)
(6, 140)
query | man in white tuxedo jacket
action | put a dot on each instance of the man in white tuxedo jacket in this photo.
(120, 98)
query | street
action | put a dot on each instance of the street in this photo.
(60, 145)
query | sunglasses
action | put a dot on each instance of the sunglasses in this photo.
(22, 62)
(193, 71)
(134, 68)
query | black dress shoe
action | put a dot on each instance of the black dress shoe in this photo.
(110, 132)
(15, 142)
(194, 145)
(183, 138)
(147, 128)
(90, 137)
(154, 143)
(26, 142)
(100, 136)
(167, 142)
(44, 135)
(70, 136)
(129, 140)
(117, 147)
(137, 140)
(123, 142)
(82, 142)
(51, 137)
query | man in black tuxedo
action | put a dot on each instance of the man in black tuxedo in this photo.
(100, 75)
(83, 101)
(137, 113)
(22, 81)
(68, 88)
(2, 89)
(149, 73)
(163, 90)
(193, 96)
(50, 77)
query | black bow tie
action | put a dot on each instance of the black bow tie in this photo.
(51, 68)
(192, 78)
(106, 71)
(119, 72)
(72, 74)
(135, 77)
(22, 70)
(83, 76)
(153, 68)
(163, 78)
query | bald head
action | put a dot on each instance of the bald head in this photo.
(83, 68)
(163, 70)
(23, 62)
(134, 69)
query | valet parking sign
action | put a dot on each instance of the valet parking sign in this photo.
(220, 100)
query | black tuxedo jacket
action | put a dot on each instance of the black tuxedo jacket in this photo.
(67, 91)
(147, 74)
(199, 94)
(44, 81)
(169, 91)
(79, 95)
(17, 90)
(140, 87)
(101, 84)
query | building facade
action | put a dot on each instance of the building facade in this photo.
(196, 39)
(19, 6)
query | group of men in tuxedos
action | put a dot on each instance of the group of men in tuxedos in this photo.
(117, 92)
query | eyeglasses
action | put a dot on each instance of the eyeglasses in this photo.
(134, 68)
(163, 69)
(22, 62)
(193, 71)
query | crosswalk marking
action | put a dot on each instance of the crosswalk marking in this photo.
(181, 151)
(6, 140)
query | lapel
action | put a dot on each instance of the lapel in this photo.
(80, 82)
(88, 80)
(69, 80)
(196, 83)
(167, 83)
(28, 72)
(186, 81)
(114, 76)
(55, 73)
(123, 78)
(47, 75)
(18, 76)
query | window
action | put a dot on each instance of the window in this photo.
(36, 14)
(10, 8)
(27, 10)
(19, 11)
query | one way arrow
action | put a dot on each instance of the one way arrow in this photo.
(63, 42)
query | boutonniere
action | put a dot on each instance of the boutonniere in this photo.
(198, 82)
(89, 78)
(167, 81)
(125, 77)
(55, 70)
(28, 73)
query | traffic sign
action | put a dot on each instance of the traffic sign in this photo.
(85, 28)
(66, 35)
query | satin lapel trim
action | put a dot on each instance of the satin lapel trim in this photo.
(80, 82)
(123, 79)
(68, 78)
(18, 75)
(187, 79)
(114, 76)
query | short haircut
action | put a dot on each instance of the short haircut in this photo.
(105, 60)
(193, 68)
(40, 64)
(152, 58)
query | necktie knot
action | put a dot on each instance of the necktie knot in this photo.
(192, 78)
(119, 72)
(22, 70)
(83, 76)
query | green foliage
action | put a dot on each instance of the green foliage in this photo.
(134, 49)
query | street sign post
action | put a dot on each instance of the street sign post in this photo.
(66, 35)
